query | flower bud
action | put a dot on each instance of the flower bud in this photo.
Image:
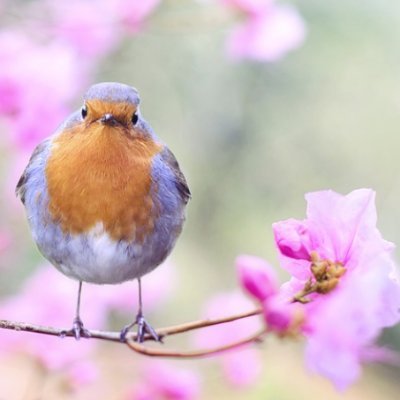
(257, 277)
(292, 239)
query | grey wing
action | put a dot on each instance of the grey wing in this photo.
(21, 185)
(180, 180)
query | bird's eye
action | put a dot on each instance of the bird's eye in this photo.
(84, 111)
(135, 118)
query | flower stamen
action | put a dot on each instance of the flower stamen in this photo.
(326, 275)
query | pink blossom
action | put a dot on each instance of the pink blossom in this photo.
(342, 328)
(343, 322)
(267, 33)
(37, 81)
(337, 227)
(94, 28)
(91, 28)
(163, 381)
(243, 366)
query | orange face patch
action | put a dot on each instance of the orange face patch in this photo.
(101, 174)
(123, 112)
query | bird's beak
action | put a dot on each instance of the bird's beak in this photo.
(108, 119)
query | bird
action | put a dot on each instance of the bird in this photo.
(105, 198)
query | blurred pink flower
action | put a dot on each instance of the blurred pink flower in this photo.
(37, 82)
(5, 241)
(268, 32)
(134, 13)
(27, 128)
(343, 322)
(247, 6)
(241, 367)
(82, 373)
(92, 28)
(161, 380)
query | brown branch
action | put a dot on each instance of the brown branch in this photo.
(153, 352)
(190, 326)
(115, 336)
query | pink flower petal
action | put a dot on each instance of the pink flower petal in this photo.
(340, 220)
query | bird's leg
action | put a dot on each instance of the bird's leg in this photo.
(77, 326)
(143, 326)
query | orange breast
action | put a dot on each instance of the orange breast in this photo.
(101, 174)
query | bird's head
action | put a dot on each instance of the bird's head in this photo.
(111, 104)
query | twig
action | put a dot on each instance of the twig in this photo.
(153, 352)
(51, 331)
(115, 336)
(190, 326)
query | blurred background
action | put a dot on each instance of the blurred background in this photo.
(261, 102)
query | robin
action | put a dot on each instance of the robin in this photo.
(104, 197)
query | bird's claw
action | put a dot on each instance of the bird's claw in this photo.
(79, 330)
(144, 328)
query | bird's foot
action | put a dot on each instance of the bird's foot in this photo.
(144, 328)
(79, 330)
